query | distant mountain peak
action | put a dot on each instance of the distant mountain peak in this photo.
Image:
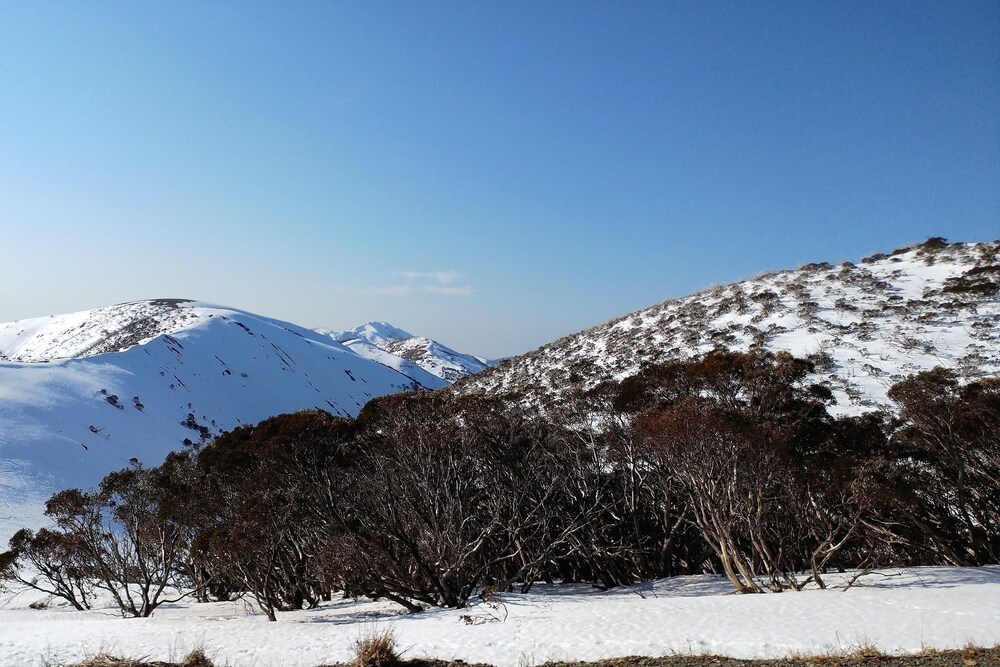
(387, 344)
(376, 331)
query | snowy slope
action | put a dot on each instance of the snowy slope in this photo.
(896, 611)
(376, 339)
(90, 332)
(83, 394)
(867, 326)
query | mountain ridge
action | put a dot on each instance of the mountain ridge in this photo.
(866, 325)
(90, 392)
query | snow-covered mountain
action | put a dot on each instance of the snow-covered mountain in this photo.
(90, 392)
(866, 325)
(376, 339)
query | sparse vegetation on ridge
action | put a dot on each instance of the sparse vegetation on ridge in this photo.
(887, 317)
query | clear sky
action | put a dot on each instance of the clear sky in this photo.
(491, 174)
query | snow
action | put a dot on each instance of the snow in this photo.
(879, 321)
(83, 394)
(382, 342)
(379, 332)
(897, 611)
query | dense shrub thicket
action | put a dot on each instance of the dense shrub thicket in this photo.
(730, 463)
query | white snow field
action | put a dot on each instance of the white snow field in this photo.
(897, 611)
(87, 393)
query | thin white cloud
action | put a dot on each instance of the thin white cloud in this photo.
(438, 277)
(445, 277)
(428, 282)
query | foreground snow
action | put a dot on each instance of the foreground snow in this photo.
(898, 611)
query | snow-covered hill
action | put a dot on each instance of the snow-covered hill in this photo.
(866, 325)
(376, 339)
(86, 393)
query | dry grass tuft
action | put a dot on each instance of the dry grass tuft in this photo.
(865, 651)
(106, 660)
(377, 649)
(196, 658)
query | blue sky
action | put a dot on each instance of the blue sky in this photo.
(495, 175)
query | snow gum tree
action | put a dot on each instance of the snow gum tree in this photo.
(264, 486)
(452, 494)
(946, 465)
(51, 562)
(749, 446)
(120, 540)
